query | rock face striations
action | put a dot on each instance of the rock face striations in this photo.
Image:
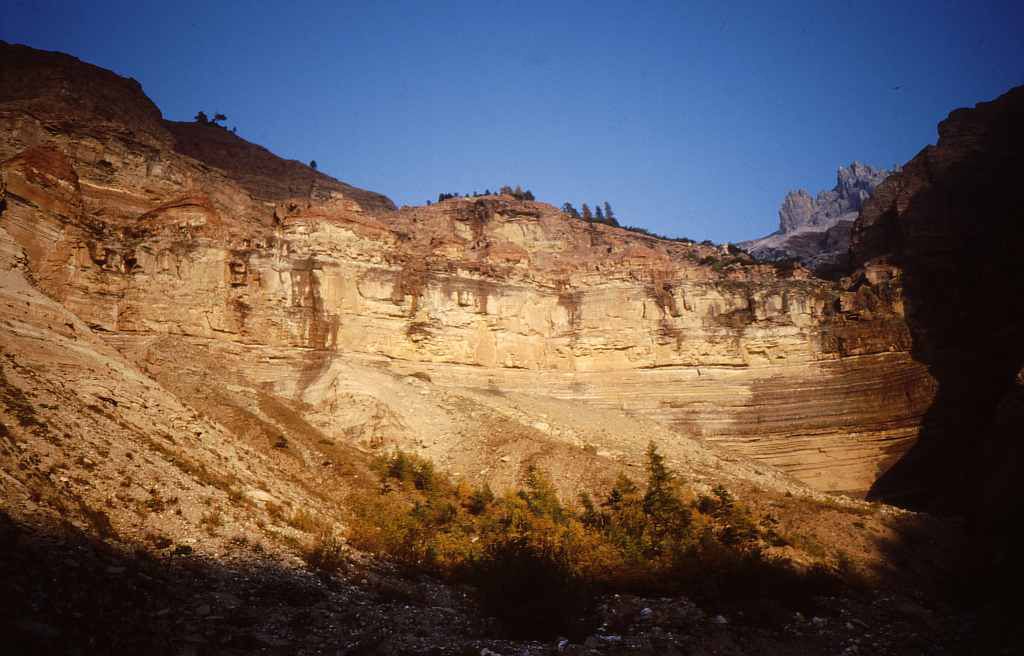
(242, 282)
(816, 230)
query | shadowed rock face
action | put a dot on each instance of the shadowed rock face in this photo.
(816, 230)
(186, 262)
(63, 94)
(951, 221)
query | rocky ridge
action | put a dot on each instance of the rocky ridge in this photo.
(163, 256)
(265, 176)
(815, 230)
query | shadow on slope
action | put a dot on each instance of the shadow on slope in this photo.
(957, 240)
(954, 224)
(67, 592)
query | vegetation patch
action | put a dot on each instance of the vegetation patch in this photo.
(538, 564)
(327, 553)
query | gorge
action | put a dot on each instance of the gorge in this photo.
(180, 305)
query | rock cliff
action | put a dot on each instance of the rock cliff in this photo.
(203, 345)
(197, 267)
(815, 230)
(950, 223)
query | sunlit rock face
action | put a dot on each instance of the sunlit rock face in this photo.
(155, 233)
(815, 230)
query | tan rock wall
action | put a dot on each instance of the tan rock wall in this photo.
(491, 293)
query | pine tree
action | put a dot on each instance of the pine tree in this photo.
(659, 478)
(590, 515)
(202, 118)
(480, 500)
(598, 214)
(540, 494)
(567, 208)
(667, 514)
(587, 216)
(623, 489)
(312, 164)
(218, 117)
(528, 195)
(608, 214)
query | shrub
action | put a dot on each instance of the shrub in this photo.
(480, 500)
(305, 521)
(540, 495)
(537, 563)
(531, 588)
(211, 521)
(327, 553)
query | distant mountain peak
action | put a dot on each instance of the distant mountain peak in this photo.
(816, 229)
(854, 184)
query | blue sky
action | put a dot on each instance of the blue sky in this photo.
(691, 119)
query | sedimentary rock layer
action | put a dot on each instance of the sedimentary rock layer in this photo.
(282, 283)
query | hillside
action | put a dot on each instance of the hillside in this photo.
(206, 349)
(261, 173)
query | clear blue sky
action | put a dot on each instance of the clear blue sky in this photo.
(689, 118)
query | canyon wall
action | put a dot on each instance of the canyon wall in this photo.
(172, 238)
(952, 224)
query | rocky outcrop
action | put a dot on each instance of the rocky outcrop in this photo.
(265, 175)
(99, 117)
(854, 185)
(816, 230)
(196, 269)
(950, 223)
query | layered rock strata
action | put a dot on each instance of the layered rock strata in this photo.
(183, 264)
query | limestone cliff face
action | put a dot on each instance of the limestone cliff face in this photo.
(284, 279)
